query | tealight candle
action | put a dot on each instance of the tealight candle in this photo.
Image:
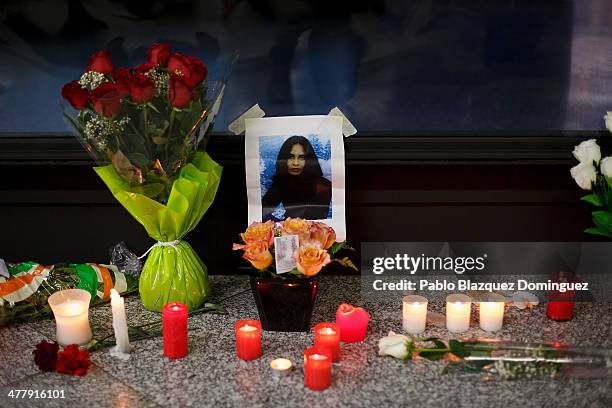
(317, 370)
(281, 367)
(353, 323)
(327, 339)
(248, 339)
(174, 329)
(71, 311)
(414, 313)
(120, 327)
(458, 309)
(491, 311)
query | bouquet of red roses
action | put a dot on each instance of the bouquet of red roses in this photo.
(145, 126)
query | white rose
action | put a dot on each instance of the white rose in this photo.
(393, 345)
(587, 152)
(584, 174)
(606, 166)
(608, 120)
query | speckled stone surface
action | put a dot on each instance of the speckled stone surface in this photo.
(211, 375)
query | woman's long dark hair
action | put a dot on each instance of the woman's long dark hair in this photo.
(312, 168)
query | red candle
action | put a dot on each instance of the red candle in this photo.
(560, 305)
(317, 369)
(327, 340)
(248, 339)
(174, 329)
(353, 323)
(560, 310)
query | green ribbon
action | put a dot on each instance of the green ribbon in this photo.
(88, 278)
(22, 267)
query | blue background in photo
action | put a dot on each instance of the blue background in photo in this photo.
(269, 147)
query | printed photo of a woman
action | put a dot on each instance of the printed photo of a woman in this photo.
(298, 184)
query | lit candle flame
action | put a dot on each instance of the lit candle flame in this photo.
(327, 331)
(248, 328)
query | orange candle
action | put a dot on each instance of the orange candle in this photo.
(248, 339)
(327, 339)
(317, 370)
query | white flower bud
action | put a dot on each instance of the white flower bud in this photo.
(606, 166)
(584, 174)
(587, 152)
(393, 345)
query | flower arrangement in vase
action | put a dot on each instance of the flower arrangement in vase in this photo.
(285, 300)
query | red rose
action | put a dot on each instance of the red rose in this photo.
(106, 99)
(180, 92)
(122, 78)
(72, 360)
(76, 95)
(198, 70)
(144, 68)
(45, 355)
(142, 89)
(159, 53)
(101, 62)
(192, 69)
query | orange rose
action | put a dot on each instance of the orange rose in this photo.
(296, 226)
(256, 253)
(310, 258)
(323, 234)
(259, 231)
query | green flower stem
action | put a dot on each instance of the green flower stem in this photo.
(170, 129)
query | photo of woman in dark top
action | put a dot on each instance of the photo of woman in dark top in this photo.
(298, 184)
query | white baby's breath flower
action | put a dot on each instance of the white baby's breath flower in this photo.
(584, 174)
(606, 166)
(91, 80)
(587, 152)
(608, 120)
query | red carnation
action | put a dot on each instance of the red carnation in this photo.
(45, 355)
(142, 88)
(72, 361)
(159, 53)
(180, 92)
(76, 95)
(101, 62)
(122, 78)
(107, 99)
(144, 68)
(192, 69)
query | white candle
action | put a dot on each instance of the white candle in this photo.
(458, 308)
(281, 367)
(491, 311)
(119, 323)
(71, 311)
(414, 313)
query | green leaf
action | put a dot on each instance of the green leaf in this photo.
(593, 199)
(603, 220)
(432, 355)
(609, 180)
(346, 262)
(337, 246)
(439, 343)
(457, 348)
(597, 231)
(139, 159)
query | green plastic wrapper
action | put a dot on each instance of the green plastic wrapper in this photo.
(172, 273)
